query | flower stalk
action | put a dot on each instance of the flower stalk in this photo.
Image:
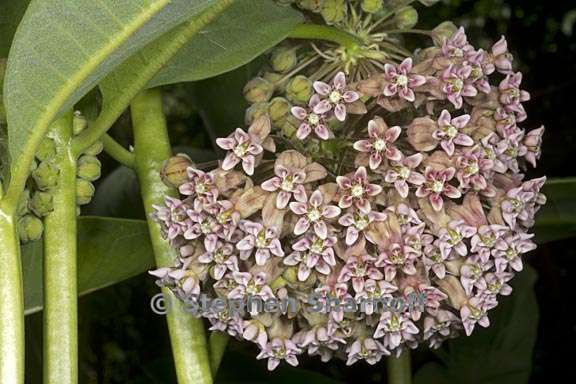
(399, 371)
(152, 148)
(60, 265)
(322, 32)
(218, 343)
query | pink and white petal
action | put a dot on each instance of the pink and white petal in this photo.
(451, 191)
(262, 255)
(300, 193)
(321, 229)
(248, 164)
(363, 146)
(461, 121)
(282, 199)
(406, 65)
(303, 131)
(227, 143)
(448, 147)
(392, 134)
(316, 199)
(330, 211)
(271, 185)
(322, 107)
(373, 189)
(301, 226)
(339, 80)
(416, 178)
(322, 131)
(298, 208)
(393, 153)
(350, 96)
(413, 161)
(230, 161)
(340, 112)
(322, 88)
(464, 140)
(299, 113)
(351, 235)
(390, 89)
(407, 94)
(436, 201)
(445, 119)
(375, 160)
(416, 81)
(303, 272)
(402, 188)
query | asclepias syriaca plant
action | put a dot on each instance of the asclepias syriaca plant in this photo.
(378, 185)
(374, 173)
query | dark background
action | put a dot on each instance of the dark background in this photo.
(122, 341)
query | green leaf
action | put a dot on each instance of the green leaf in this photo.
(62, 48)
(242, 32)
(109, 251)
(12, 12)
(557, 219)
(499, 354)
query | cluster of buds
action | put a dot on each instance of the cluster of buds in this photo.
(36, 201)
(426, 197)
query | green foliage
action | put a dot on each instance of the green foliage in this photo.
(110, 251)
(557, 218)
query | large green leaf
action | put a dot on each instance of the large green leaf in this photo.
(109, 251)
(499, 354)
(63, 48)
(242, 32)
(11, 12)
(557, 219)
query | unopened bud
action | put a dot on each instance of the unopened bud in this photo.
(443, 31)
(279, 108)
(333, 11)
(371, 6)
(30, 228)
(46, 175)
(258, 90)
(89, 168)
(299, 89)
(84, 191)
(46, 149)
(311, 5)
(255, 111)
(95, 148)
(174, 170)
(79, 122)
(24, 203)
(406, 17)
(41, 203)
(284, 59)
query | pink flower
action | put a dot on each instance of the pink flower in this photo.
(312, 252)
(448, 132)
(360, 269)
(533, 143)
(379, 143)
(311, 120)
(243, 147)
(397, 256)
(264, 240)
(277, 350)
(480, 69)
(248, 284)
(485, 238)
(289, 182)
(457, 46)
(403, 172)
(472, 274)
(173, 217)
(473, 313)
(366, 349)
(501, 57)
(314, 212)
(335, 96)
(457, 83)
(201, 186)
(512, 96)
(395, 328)
(472, 170)
(452, 238)
(221, 256)
(400, 81)
(357, 190)
(437, 185)
(357, 222)
(508, 250)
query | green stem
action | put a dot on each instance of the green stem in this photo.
(11, 303)
(117, 151)
(152, 147)
(218, 343)
(399, 371)
(323, 32)
(60, 285)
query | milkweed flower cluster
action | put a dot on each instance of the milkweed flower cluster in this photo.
(427, 197)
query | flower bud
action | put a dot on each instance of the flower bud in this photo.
(95, 149)
(284, 59)
(258, 90)
(311, 5)
(79, 122)
(41, 203)
(24, 203)
(371, 6)
(84, 191)
(289, 127)
(333, 11)
(255, 111)
(30, 228)
(89, 168)
(46, 149)
(299, 89)
(279, 107)
(45, 176)
(442, 32)
(420, 134)
(406, 17)
(174, 170)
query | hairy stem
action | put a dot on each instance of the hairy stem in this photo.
(117, 151)
(218, 343)
(152, 147)
(11, 303)
(399, 371)
(322, 32)
(60, 285)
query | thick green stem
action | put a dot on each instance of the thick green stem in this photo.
(11, 303)
(152, 147)
(323, 32)
(218, 343)
(399, 370)
(60, 285)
